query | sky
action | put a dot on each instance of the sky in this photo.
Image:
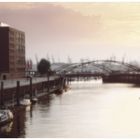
(76, 30)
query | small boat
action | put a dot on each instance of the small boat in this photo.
(6, 116)
(25, 102)
(34, 100)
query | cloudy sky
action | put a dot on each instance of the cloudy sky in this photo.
(78, 30)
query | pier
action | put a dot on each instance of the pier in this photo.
(12, 91)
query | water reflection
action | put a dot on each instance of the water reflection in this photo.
(46, 100)
(88, 109)
(6, 129)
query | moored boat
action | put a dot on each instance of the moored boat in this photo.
(25, 102)
(5, 116)
(34, 100)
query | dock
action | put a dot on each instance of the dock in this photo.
(12, 91)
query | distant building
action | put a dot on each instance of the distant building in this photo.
(12, 52)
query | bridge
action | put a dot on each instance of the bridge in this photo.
(109, 70)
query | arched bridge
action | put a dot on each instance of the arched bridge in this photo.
(98, 66)
(108, 69)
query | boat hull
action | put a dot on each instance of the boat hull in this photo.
(5, 117)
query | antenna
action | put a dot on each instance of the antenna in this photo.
(53, 60)
(36, 59)
(69, 60)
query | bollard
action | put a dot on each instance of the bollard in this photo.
(1, 95)
(31, 90)
(17, 93)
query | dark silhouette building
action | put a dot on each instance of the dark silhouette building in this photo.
(12, 52)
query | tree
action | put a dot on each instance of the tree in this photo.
(44, 67)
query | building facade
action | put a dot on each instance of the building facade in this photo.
(12, 53)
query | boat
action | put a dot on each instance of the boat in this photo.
(25, 102)
(6, 116)
(34, 100)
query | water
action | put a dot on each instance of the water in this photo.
(88, 109)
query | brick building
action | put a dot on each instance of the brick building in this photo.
(12, 52)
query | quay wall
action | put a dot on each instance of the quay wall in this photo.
(122, 78)
(9, 93)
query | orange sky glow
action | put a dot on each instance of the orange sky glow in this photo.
(79, 30)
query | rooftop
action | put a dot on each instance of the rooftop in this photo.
(4, 24)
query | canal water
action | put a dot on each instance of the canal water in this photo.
(88, 109)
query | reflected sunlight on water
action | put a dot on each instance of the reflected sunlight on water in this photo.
(86, 110)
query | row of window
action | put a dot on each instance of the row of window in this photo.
(16, 33)
(19, 48)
